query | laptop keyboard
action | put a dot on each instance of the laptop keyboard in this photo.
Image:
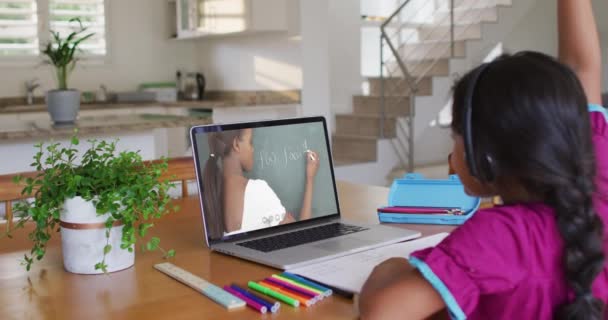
(299, 237)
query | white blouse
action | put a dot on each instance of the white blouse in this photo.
(262, 207)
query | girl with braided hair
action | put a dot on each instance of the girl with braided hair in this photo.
(523, 130)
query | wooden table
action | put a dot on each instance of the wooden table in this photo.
(141, 292)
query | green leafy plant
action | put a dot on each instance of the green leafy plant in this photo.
(61, 52)
(122, 185)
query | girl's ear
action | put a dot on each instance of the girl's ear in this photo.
(236, 145)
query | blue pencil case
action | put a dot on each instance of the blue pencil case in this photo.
(415, 191)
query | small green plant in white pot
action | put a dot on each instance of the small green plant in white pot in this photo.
(64, 103)
(102, 202)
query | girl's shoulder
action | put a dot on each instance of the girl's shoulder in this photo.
(513, 213)
(507, 223)
(260, 187)
(492, 253)
(504, 234)
(599, 125)
(261, 193)
(599, 120)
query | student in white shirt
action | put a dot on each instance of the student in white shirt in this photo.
(232, 202)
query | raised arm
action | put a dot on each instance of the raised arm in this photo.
(312, 165)
(579, 45)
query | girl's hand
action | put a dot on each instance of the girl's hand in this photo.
(312, 164)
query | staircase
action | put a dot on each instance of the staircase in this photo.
(424, 43)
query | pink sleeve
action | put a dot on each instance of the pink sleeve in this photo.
(480, 257)
(600, 144)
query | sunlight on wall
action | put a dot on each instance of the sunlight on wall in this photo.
(276, 75)
(227, 16)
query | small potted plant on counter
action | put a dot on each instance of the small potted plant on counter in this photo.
(63, 103)
(102, 203)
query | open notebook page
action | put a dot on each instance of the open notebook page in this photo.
(350, 272)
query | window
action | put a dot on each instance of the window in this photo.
(92, 16)
(18, 28)
(21, 34)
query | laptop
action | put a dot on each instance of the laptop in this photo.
(268, 194)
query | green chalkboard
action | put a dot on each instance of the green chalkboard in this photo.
(280, 160)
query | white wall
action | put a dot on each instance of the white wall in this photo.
(344, 53)
(314, 26)
(331, 56)
(140, 51)
(264, 61)
(378, 8)
(538, 31)
(324, 61)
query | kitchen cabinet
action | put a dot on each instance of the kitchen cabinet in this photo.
(200, 18)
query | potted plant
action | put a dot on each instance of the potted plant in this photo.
(63, 103)
(102, 203)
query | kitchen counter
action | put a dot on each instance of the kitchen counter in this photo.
(109, 106)
(213, 100)
(155, 129)
(95, 125)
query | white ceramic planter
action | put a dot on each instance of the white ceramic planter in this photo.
(83, 237)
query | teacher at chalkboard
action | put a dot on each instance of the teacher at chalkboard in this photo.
(232, 202)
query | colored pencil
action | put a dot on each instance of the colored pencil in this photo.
(250, 302)
(326, 291)
(269, 292)
(290, 287)
(303, 300)
(340, 292)
(319, 294)
(299, 284)
(273, 306)
(417, 210)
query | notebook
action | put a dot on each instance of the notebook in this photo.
(348, 273)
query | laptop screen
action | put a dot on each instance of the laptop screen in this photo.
(261, 175)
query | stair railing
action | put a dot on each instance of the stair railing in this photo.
(394, 65)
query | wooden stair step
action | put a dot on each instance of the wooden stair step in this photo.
(422, 67)
(466, 4)
(461, 18)
(443, 6)
(348, 149)
(468, 32)
(348, 162)
(433, 49)
(399, 86)
(367, 125)
(372, 105)
(466, 15)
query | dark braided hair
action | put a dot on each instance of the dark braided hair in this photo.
(530, 114)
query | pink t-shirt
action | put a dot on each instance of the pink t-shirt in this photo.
(506, 262)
